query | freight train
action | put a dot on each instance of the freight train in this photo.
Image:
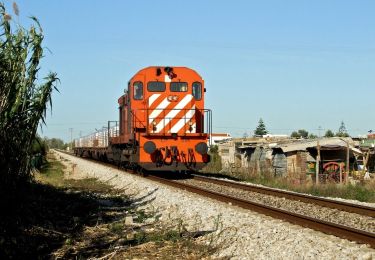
(163, 124)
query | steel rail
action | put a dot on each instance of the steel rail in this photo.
(329, 203)
(316, 224)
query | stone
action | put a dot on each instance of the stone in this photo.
(128, 220)
(367, 256)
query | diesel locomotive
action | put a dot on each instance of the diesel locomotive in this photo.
(163, 123)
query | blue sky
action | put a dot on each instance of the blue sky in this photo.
(296, 64)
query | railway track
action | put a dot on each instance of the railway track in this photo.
(329, 203)
(342, 231)
(338, 230)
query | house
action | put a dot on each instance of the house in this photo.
(220, 137)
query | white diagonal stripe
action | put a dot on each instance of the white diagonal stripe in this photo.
(188, 116)
(173, 112)
(152, 99)
(158, 109)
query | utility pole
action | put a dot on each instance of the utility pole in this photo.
(71, 139)
(319, 128)
(347, 163)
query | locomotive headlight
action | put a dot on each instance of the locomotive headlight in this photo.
(201, 148)
(172, 98)
(190, 123)
(149, 147)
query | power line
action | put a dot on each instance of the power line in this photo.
(77, 123)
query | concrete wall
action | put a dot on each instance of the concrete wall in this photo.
(227, 154)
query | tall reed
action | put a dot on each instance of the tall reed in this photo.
(23, 100)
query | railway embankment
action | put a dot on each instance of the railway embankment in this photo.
(242, 234)
(340, 217)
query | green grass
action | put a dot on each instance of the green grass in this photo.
(52, 173)
(215, 164)
(141, 216)
(117, 227)
(364, 192)
(358, 192)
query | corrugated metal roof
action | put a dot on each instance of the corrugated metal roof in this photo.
(325, 143)
(334, 143)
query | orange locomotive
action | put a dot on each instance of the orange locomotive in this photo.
(163, 124)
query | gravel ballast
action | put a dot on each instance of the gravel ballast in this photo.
(245, 234)
(344, 218)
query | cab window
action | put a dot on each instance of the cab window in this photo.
(179, 86)
(138, 90)
(156, 86)
(197, 90)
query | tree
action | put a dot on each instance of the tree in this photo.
(55, 143)
(312, 136)
(301, 133)
(23, 101)
(261, 128)
(329, 133)
(295, 134)
(342, 131)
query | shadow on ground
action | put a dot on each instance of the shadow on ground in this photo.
(182, 176)
(38, 219)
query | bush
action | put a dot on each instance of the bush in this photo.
(214, 166)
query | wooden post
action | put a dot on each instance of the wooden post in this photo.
(317, 167)
(347, 163)
(340, 173)
(365, 162)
